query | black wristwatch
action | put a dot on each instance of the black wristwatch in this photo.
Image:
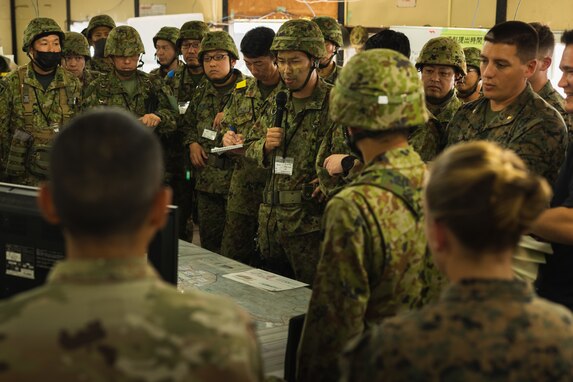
(347, 163)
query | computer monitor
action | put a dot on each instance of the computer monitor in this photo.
(29, 246)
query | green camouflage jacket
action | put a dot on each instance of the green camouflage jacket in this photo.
(372, 260)
(161, 74)
(552, 97)
(31, 119)
(182, 84)
(332, 77)
(444, 113)
(152, 96)
(426, 139)
(115, 320)
(480, 330)
(529, 126)
(89, 77)
(248, 180)
(304, 133)
(102, 65)
(206, 103)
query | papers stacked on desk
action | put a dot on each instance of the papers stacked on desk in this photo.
(264, 280)
(530, 254)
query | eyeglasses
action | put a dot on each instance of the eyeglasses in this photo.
(444, 74)
(189, 45)
(217, 57)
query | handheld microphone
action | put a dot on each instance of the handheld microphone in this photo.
(281, 100)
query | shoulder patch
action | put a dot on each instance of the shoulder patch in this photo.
(241, 84)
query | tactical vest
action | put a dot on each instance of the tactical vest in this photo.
(30, 146)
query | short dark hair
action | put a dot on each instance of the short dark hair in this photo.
(546, 39)
(106, 169)
(517, 33)
(567, 37)
(257, 42)
(389, 39)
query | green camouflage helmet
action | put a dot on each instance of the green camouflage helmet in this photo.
(38, 27)
(443, 51)
(76, 45)
(99, 21)
(123, 41)
(192, 30)
(358, 36)
(301, 35)
(218, 40)
(472, 57)
(378, 89)
(330, 29)
(170, 34)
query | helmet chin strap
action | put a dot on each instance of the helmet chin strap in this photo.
(221, 81)
(467, 93)
(322, 66)
(315, 65)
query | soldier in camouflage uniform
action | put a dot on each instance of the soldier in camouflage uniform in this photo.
(131, 89)
(218, 54)
(487, 326)
(374, 246)
(166, 51)
(76, 53)
(289, 218)
(250, 99)
(540, 81)
(328, 70)
(469, 88)
(97, 33)
(40, 97)
(510, 113)
(442, 63)
(105, 313)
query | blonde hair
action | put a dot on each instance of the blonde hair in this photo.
(485, 195)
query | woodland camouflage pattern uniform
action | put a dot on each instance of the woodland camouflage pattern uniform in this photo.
(448, 52)
(529, 126)
(77, 45)
(552, 97)
(150, 95)
(170, 34)
(212, 181)
(99, 64)
(331, 32)
(373, 255)
(248, 179)
(32, 115)
(480, 330)
(289, 218)
(96, 315)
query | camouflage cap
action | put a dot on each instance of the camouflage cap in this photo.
(76, 45)
(192, 30)
(218, 40)
(123, 41)
(301, 35)
(443, 51)
(38, 27)
(170, 34)
(99, 21)
(472, 57)
(330, 29)
(378, 89)
(358, 36)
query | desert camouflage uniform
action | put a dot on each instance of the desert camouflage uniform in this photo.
(481, 330)
(115, 320)
(32, 115)
(552, 97)
(529, 126)
(248, 179)
(373, 254)
(212, 181)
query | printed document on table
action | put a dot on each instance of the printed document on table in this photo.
(265, 280)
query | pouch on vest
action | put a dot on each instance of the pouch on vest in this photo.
(19, 147)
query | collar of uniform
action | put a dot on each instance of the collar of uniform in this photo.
(508, 114)
(398, 158)
(114, 86)
(547, 90)
(316, 99)
(58, 81)
(252, 89)
(212, 90)
(102, 271)
(488, 289)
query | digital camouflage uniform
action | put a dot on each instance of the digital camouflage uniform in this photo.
(116, 320)
(448, 52)
(480, 330)
(426, 139)
(373, 256)
(170, 34)
(33, 116)
(151, 95)
(248, 179)
(552, 97)
(330, 31)
(77, 45)
(212, 181)
(289, 218)
(99, 64)
(529, 126)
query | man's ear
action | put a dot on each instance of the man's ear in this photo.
(158, 213)
(545, 63)
(530, 68)
(233, 62)
(46, 204)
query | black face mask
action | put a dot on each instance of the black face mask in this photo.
(99, 47)
(48, 61)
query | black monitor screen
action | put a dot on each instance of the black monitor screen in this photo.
(29, 246)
